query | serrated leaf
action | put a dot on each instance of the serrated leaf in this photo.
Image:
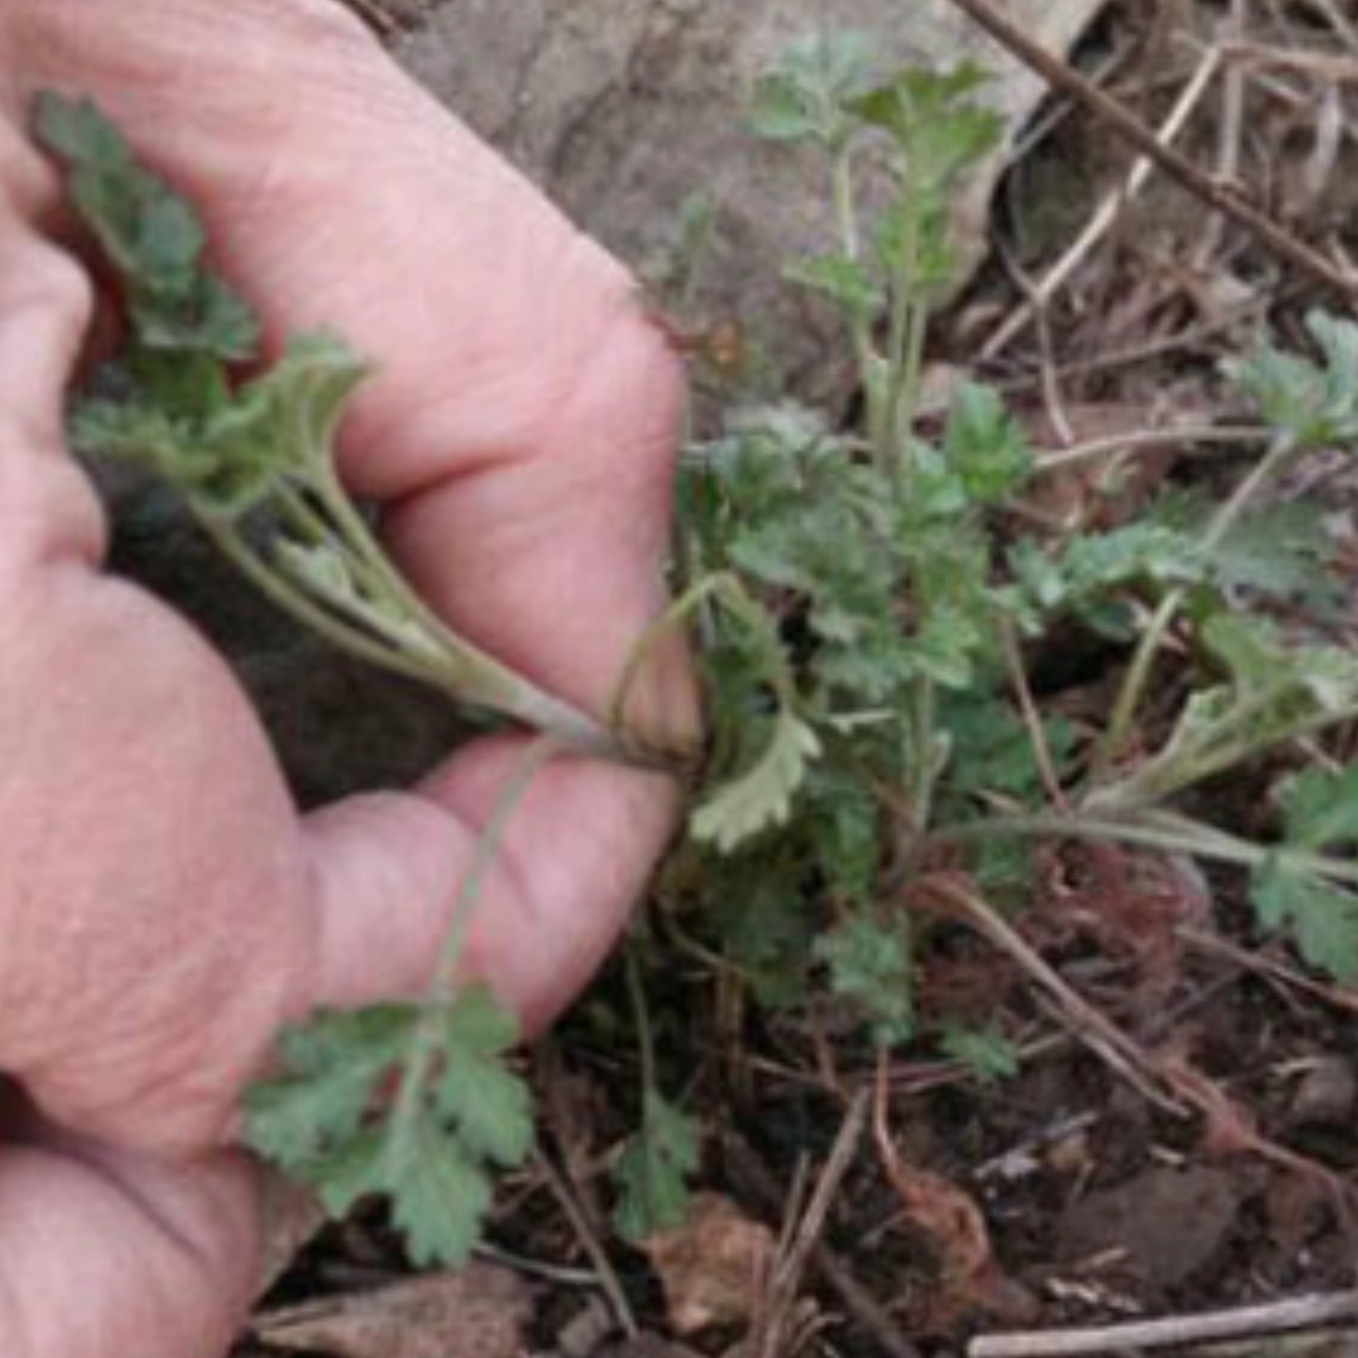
(652, 1173)
(841, 279)
(340, 1117)
(226, 460)
(490, 1106)
(989, 1055)
(1311, 403)
(330, 1071)
(353, 1170)
(993, 751)
(1278, 552)
(77, 131)
(870, 963)
(1307, 680)
(986, 445)
(1322, 915)
(932, 118)
(762, 796)
(439, 1194)
(148, 231)
(803, 94)
(1321, 809)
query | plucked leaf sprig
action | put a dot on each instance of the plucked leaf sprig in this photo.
(254, 458)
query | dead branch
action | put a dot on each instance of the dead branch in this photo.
(1294, 1313)
(1226, 198)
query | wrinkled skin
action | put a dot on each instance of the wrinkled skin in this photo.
(163, 907)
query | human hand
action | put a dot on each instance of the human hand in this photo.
(163, 908)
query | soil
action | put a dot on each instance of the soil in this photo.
(1064, 1195)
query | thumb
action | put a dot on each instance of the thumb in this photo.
(388, 868)
(550, 895)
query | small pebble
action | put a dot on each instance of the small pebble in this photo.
(1326, 1095)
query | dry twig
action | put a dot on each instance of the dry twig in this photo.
(1172, 1331)
(608, 1281)
(1230, 133)
(1225, 197)
(1107, 212)
(858, 1302)
(786, 1278)
(1088, 1024)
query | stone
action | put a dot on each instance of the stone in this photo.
(1163, 1225)
(624, 109)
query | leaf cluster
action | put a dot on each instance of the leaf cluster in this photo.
(873, 697)
(651, 1176)
(412, 1102)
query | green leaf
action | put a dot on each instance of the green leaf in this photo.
(491, 1107)
(1304, 681)
(1310, 403)
(841, 279)
(77, 131)
(993, 752)
(652, 1174)
(870, 963)
(439, 1193)
(342, 1115)
(228, 459)
(344, 1176)
(762, 796)
(1323, 915)
(989, 1055)
(986, 445)
(1321, 809)
(1280, 552)
(331, 1069)
(934, 122)
(149, 232)
(759, 906)
(803, 96)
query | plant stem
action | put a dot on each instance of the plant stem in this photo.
(636, 991)
(284, 594)
(1280, 451)
(428, 1034)
(386, 631)
(860, 328)
(1232, 744)
(924, 716)
(1166, 832)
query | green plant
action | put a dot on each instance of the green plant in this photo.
(868, 696)
(864, 599)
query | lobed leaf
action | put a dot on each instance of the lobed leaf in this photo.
(762, 796)
(652, 1173)
(1322, 915)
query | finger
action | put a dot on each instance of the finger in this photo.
(109, 1255)
(573, 859)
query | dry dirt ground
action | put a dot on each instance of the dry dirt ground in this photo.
(1062, 1196)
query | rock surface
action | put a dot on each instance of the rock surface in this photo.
(623, 109)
